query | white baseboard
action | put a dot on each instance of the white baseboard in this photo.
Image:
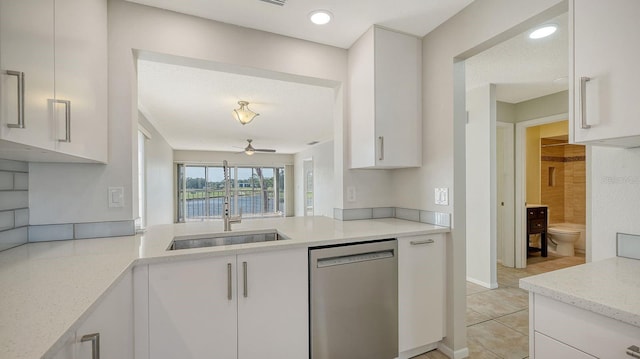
(458, 354)
(481, 283)
(417, 351)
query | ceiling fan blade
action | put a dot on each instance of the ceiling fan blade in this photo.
(264, 150)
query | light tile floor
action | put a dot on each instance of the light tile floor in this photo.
(498, 319)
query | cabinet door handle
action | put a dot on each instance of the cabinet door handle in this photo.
(244, 276)
(633, 351)
(67, 120)
(20, 76)
(95, 344)
(229, 288)
(583, 102)
(381, 139)
(418, 243)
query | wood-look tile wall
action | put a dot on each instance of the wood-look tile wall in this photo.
(575, 186)
(565, 194)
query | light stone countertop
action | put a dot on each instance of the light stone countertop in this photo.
(609, 287)
(49, 288)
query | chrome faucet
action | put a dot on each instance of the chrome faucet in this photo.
(228, 219)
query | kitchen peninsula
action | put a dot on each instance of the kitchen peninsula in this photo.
(51, 288)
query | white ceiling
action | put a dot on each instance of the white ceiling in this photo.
(522, 68)
(191, 107)
(351, 18)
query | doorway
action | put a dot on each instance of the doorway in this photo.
(524, 82)
(551, 173)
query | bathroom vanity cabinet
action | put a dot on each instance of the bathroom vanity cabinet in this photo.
(537, 219)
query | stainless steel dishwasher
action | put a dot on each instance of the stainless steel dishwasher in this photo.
(354, 301)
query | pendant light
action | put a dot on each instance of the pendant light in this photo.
(243, 114)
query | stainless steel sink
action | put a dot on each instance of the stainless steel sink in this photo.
(225, 239)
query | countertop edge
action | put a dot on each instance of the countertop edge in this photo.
(609, 311)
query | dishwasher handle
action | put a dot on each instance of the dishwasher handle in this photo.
(354, 258)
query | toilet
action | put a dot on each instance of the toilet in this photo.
(564, 238)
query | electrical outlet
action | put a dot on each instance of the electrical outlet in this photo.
(442, 196)
(351, 194)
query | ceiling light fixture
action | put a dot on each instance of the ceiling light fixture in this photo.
(320, 17)
(244, 115)
(543, 31)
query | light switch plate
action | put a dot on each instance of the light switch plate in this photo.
(115, 197)
(442, 196)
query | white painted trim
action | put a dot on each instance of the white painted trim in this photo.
(521, 185)
(458, 354)
(146, 133)
(483, 284)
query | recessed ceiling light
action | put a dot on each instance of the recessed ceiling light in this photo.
(320, 17)
(543, 31)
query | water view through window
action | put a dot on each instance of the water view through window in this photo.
(255, 192)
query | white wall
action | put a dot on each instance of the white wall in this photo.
(544, 106)
(479, 26)
(481, 186)
(323, 188)
(82, 189)
(159, 177)
(614, 185)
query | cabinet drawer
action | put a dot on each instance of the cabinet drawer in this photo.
(549, 348)
(537, 226)
(536, 213)
(592, 333)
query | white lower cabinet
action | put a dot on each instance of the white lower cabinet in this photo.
(246, 306)
(546, 347)
(110, 323)
(421, 271)
(561, 330)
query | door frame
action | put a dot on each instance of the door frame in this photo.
(521, 184)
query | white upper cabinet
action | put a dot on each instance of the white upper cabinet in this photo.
(26, 78)
(53, 80)
(81, 78)
(604, 92)
(385, 107)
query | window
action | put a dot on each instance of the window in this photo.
(308, 187)
(254, 192)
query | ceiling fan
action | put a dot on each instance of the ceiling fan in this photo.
(250, 150)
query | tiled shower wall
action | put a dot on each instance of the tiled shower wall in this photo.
(14, 203)
(565, 190)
